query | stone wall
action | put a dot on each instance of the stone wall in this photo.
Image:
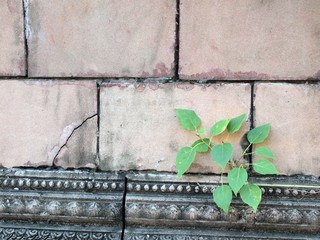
(92, 85)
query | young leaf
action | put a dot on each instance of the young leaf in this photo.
(201, 131)
(223, 197)
(184, 159)
(235, 123)
(251, 195)
(219, 127)
(259, 134)
(201, 145)
(222, 153)
(237, 177)
(188, 119)
(263, 166)
(265, 152)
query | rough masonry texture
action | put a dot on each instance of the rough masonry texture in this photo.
(101, 38)
(139, 128)
(39, 117)
(293, 112)
(88, 128)
(250, 39)
(12, 49)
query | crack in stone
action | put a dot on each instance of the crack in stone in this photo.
(65, 136)
(28, 29)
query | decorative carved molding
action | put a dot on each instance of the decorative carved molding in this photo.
(153, 200)
(212, 234)
(58, 208)
(56, 233)
(188, 214)
(60, 180)
(209, 188)
(60, 197)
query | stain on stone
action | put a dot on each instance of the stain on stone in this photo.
(197, 168)
(140, 87)
(120, 85)
(187, 87)
(174, 146)
(162, 71)
(204, 88)
(223, 74)
(153, 86)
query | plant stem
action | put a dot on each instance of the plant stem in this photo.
(248, 154)
(248, 164)
(203, 141)
(227, 137)
(196, 145)
(244, 152)
(210, 140)
(222, 178)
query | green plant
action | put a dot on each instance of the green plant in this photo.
(222, 153)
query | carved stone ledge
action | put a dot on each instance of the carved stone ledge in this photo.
(60, 180)
(15, 231)
(302, 186)
(204, 234)
(61, 197)
(159, 199)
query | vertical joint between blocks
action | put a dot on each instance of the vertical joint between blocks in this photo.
(176, 52)
(26, 33)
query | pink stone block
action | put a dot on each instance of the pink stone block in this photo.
(109, 38)
(41, 121)
(139, 128)
(250, 39)
(12, 48)
(293, 112)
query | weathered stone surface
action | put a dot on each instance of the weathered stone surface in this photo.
(38, 117)
(250, 39)
(101, 38)
(293, 112)
(12, 49)
(139, 128)
(80, 150)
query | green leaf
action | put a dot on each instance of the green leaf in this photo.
(184, 159)
(259, 134)
(235, 123)
(237, 177)
(222, 153)
(222, 196)
(201, 131)
(201, 145)
(219, 127)
(265, 152)
(188, 119)
(263, 166)
(251, 195)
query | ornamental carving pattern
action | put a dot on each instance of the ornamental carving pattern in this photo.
(62, 207)
(35, 234)
(57, 185)
(210, 213)
(207, 188)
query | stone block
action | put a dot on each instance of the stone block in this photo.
(12, 48)
(139, 129)
(109, 38)
(250, 39)
(293, 112)
(41, 121)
